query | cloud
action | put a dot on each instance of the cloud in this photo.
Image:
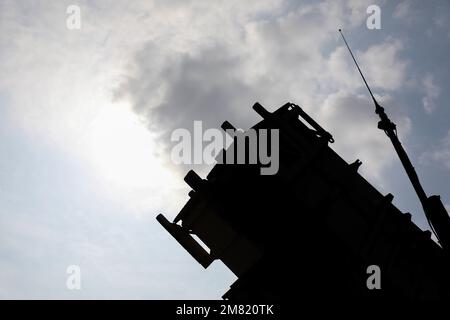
(385, 68)
(432, 92)
(352, 121)
(406, 12)
(382, 65)
(440, 154)
(274, 59)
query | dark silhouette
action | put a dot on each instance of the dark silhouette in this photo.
(316, 226)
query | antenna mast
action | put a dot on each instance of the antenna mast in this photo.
(434, 210)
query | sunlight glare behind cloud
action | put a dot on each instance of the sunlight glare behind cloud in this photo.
(123, 150)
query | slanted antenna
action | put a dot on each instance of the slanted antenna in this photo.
(434, 210)
(359, 69)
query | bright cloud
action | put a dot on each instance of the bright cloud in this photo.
(432, 92)
(439, 154)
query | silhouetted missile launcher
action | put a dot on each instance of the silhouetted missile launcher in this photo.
(315, 226)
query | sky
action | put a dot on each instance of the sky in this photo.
(86, 117)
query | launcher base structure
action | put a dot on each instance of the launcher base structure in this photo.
(316, 226)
